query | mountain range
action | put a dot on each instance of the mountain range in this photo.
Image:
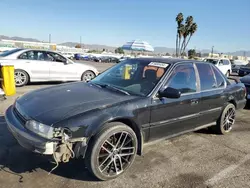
(112, 48)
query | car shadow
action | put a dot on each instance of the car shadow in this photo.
(205, 131)
(247, 107)
(45, 83)
(16, 160)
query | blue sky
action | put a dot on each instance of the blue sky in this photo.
(224, 24)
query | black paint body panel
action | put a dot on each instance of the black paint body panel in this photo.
(84, 108)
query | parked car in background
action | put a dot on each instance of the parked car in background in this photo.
(246, 81)
(244, 70)
(108, 59)
(223, 64)
(237, 64)
(107, 120)
(68, 55)
(42, 65)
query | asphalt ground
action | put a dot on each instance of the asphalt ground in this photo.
(198, 159)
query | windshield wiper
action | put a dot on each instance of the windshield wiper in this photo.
(97, 85)
(100, 85)
(117, 89)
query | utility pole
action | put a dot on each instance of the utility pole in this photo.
(212, 51)
(49, 38)
(81, 41)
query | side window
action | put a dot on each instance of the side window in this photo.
(221, 62)
(55, 57)
(225, 62)
(219, 79)
(207, 77)
(183, 78)
(23, 56)
(41, 56)
(27, 55)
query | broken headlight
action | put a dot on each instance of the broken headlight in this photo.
(40, 129)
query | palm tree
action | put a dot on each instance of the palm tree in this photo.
(179, 20)
(187, 28)
(181, 33)
(192, 30)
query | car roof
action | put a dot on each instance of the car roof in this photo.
(170, 60)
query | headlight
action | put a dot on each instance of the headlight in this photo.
(40, 129)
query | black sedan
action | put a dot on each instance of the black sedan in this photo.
(107, 120)
(246, 80)
(244, 70)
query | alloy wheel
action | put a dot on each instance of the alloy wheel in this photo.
(87, 76)
(229, 120)
(116, 154)
(20, 78)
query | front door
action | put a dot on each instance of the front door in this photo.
(173, 116)
(60, 69)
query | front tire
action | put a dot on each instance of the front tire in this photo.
(226, 121)
(112, 151)
(21, 77)
(87, 76)
(228, 73)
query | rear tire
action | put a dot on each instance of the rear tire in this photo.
(21, 77)
(112, 151)
(226, 121)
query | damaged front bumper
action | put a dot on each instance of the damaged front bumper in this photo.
(38, 144)
(26, 138)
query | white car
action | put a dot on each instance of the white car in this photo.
(68, 55)
(223, 64)
(42, 66)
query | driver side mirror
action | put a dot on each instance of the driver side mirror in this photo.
(67, 62)
(170, 92)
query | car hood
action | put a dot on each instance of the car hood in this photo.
(53, 104)
(245, 79)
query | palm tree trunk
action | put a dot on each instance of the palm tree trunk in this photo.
(182, 46)
(187, 43)
(179, 46)
(176, 45)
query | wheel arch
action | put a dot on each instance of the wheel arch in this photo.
(135, 128)
(27, 72)
(232, 101)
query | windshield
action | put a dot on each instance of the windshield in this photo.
(214, 61)
(4, 54)
(134, 76)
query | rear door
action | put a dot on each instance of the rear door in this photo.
(33, 61)
(212, 84)
(173, 116)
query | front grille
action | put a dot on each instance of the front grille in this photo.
(19, 116)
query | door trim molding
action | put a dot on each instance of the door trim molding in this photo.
(183, 118)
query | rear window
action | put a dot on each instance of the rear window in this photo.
(7, 53)
(207, 77)
(213, 61)
(159, 71)
(219, 79)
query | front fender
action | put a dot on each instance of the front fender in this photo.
(87, 124)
